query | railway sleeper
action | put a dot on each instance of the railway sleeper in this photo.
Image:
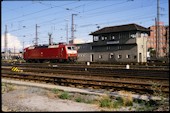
(80, 73)
(83, 82)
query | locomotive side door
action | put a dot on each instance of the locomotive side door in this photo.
(61, 53)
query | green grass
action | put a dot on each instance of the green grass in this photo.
(7, 87)
(105, 101)
(80, 99)
(54, 90)
(64, 95)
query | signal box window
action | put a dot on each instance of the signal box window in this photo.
(135, 57)
(127, 56)
(111, 56)
(96, 38)
(113, 37)
(102, 38)
(100, 56)
(119, 56)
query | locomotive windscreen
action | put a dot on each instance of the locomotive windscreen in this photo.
(71, 48)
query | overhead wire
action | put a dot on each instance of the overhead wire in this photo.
(14, 9)
(35, 12)
(55, 19)
(42, 16)
(105, 6)
(110, 12)
(115, 21)
(55, 6)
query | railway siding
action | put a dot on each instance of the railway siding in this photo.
(86, 82)
(96, 77)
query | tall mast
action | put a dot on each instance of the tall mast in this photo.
(158, 30)
(6, 43)
(72, 27)
(36, 35)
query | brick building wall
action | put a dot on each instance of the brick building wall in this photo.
(163, 43)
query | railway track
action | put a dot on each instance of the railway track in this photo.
(113, 80)
(101, 70)
(111, 85)
(87, 73)
(116, 66)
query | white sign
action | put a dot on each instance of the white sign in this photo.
(113, 42)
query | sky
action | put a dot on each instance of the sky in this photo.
(55, 17)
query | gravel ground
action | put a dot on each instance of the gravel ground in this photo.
(33, 99)
(37, 99)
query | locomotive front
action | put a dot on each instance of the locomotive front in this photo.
(71, 52)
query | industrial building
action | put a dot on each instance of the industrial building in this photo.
(17, 55)
(123, 43)
(161, 44)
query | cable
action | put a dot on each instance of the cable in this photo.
(14, 9)
(53, 20)
(84, 17)
(34, 12)
(42, 16)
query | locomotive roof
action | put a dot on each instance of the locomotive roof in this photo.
(47, 46)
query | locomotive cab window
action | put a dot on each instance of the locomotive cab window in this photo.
(71, 48)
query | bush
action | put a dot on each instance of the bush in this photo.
(126, 98)
(80, 99)
(64, 95)
(106, 102)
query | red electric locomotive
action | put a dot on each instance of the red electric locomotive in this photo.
(53, 53)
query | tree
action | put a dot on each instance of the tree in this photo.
(164, 50)
(152, 52)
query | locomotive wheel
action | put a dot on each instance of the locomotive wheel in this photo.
(53, 61)
(41, 61)
(60, 60)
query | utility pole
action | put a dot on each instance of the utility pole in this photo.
(167, 29)
(156, 33)
(72, 27)
(50, 39)
(23, 50)
(23, 46)
(67, 31)
(36, 35)
(158, 30)
(14, 52)
(6, 43)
